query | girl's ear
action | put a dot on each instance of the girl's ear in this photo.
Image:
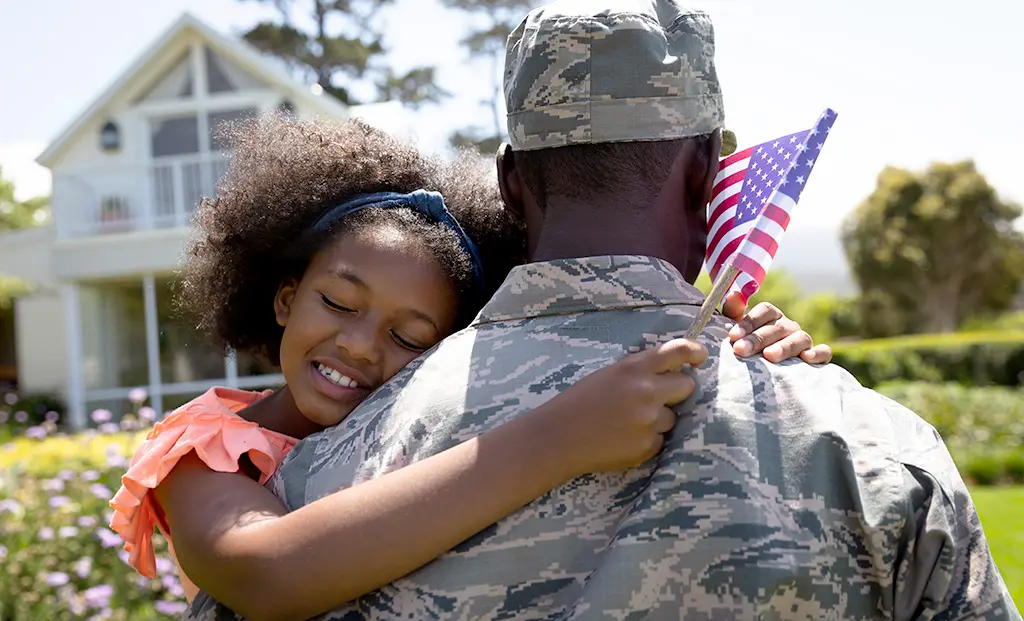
(283, 301)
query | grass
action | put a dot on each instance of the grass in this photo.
(1000, 509)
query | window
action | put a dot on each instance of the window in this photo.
(223, 75)
(175, 84)
(185, 355)
(174, 136)
(114, 335)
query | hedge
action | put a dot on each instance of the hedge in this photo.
(983, 427)
(993, 358)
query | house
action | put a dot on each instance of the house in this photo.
(127, 174)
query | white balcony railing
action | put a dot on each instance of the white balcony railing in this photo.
(162, 195)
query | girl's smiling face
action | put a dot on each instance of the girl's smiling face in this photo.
(368, 304)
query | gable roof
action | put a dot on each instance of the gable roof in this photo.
(234, 48)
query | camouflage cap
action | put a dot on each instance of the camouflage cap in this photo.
(590, 71)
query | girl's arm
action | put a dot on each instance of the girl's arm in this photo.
(237, 543)
(235, 540)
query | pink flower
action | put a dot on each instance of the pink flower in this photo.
(101, 416)
(137, 395)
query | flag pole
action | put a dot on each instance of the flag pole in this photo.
(713, 301)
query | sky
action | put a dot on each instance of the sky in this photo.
(912, 81)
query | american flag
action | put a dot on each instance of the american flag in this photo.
(754, 194)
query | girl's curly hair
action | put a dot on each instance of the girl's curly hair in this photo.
(283, 175)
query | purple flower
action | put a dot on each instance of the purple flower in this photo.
(3, 416)
(100, 491)
(51, 417)
(147, 414)
(137, 395)
(90, 475)
(83, 566)
(74, 603)
(98, 596)
(10, 505)
(170, 581)
(172, 609)
(3, 552)
(163, 565)
(57, 502)
(116, 461)
(57, 578)
(46, 533)
(53, 485)
(66, 475)
(124, 557)
(109, 428)
(87, 521)
(10, 398)
(108, 538)
(101, 416)
(66, 532)
(36, 433)
(21, 416)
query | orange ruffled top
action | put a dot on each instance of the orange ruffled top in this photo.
(210, 426)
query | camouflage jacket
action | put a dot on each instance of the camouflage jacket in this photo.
(786, 491)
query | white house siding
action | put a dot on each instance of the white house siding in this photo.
(41, 343)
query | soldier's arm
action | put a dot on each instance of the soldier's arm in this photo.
(947, 572)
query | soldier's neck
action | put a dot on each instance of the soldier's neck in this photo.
(573, 231)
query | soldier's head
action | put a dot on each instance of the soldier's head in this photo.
(614, 118)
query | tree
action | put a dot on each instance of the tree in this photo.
(336, 60)
(15, 214)
(494, 21)
(931, 250)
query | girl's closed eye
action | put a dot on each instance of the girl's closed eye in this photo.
(334, 305)
(408, 343)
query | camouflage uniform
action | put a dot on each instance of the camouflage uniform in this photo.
(785, 492)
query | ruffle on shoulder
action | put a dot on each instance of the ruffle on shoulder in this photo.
(219, 438)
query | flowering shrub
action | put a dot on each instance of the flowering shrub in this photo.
(58, 558)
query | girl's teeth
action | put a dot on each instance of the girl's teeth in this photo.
(334, 376)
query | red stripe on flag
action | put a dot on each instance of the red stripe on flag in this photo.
(717, 239)
(750, 266)
(726, 251)
(736, 177)
(778, 214)
(764, 240)
(735, 157)
(724, 206)
(749, 290)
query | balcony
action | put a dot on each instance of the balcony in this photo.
(164, 194)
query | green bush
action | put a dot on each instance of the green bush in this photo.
(968, 358)
(58, 558)
(983, 427)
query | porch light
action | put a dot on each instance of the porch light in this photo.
(110, 137)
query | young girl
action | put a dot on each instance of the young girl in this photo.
(324, 254)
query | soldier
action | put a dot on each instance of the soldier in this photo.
(786, 491)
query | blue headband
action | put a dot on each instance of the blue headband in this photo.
(430, 204)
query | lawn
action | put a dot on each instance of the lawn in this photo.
(1000, 509)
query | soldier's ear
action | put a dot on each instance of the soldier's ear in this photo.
(510, 182)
